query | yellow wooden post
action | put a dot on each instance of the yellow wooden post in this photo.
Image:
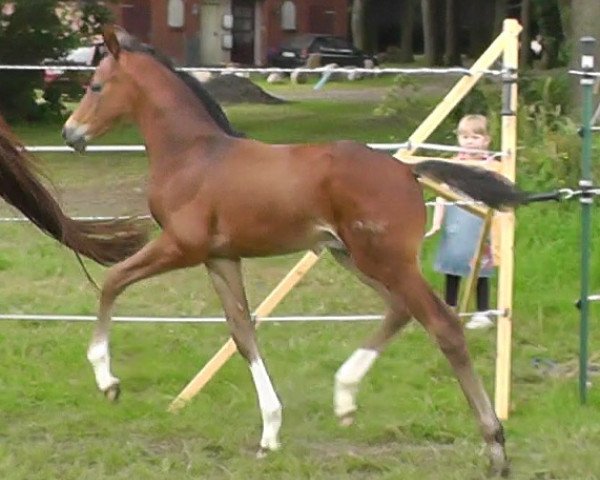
(476, 268)
(511, 31)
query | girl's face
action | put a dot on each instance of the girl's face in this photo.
(473, 140)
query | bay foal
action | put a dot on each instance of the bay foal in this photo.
(219, 198)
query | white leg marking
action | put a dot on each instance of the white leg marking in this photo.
(100, 359)
(347, 379)
(270, 406)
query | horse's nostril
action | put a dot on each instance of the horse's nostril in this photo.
(64, 133)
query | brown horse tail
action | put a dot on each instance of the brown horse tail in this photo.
(105, 242)
(491, 188)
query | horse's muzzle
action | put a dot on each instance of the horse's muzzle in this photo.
(75, 138)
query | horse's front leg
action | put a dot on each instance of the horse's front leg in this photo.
(156, 257)
(226, 276)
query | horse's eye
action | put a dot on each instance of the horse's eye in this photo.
(95, 87)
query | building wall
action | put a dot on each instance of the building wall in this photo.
(180, 44)
(330, 15)
(184, 45)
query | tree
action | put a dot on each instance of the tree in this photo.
(407, 20)
(452, 54)
(550, 28)
(525, 50)
(500, 8)
(358, 23)
(584, 22)
(432, 13)
(30, 32)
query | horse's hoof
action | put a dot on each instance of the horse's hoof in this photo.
(113, 392)
(499, 463)
(262, 453)
(347, 420)
(501, 472)
(270, 445)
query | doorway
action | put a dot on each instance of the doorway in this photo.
(243, 31)
(210, 38)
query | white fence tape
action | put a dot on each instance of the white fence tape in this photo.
(268, 70)
(375, 146)
(139, 319)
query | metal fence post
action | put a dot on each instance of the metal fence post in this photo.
(588, 45)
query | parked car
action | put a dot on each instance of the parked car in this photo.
(294, 51)
(72, 82)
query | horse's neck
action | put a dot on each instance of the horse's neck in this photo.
(172, 118)
(167, 132)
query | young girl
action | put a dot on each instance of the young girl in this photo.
(461, 230)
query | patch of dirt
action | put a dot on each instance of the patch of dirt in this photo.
(234, 89)
(124, 198)
(127, 198)
(341, 448)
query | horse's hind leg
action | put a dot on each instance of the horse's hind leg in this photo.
(157, 256)
(226, 277)
(350, 374)
(444, 326)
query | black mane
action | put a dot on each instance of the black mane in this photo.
(211, 105)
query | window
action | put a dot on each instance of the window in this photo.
(288, 15)
(175, 13)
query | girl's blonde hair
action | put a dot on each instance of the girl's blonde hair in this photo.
(473, 123)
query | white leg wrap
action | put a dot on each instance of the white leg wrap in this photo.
(100, 359)
(347, 379)
(270, 406)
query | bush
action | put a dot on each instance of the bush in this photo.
(32, 31)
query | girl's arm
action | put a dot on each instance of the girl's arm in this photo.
(438, 217)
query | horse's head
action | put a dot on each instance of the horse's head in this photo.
(110, 95)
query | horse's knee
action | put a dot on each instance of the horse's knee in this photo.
(244, 341)
(113, 284)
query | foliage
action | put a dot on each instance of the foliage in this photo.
(403, 93)
(28, 34)
(32, 31)
(547, 13)
(94, 14)
(552, 152)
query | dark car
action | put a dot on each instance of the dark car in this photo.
(295, 51)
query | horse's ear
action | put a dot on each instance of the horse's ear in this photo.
(111, 41)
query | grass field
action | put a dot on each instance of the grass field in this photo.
(413, 422)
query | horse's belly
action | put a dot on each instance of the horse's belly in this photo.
(275, 241)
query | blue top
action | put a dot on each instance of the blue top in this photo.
(460, 234)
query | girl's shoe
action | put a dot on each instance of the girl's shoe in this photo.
(479, 321)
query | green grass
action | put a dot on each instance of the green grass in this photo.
(413, 422)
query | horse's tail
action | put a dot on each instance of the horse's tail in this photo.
(491, 188)
(105, 242)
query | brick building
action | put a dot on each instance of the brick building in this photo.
(217, 32)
